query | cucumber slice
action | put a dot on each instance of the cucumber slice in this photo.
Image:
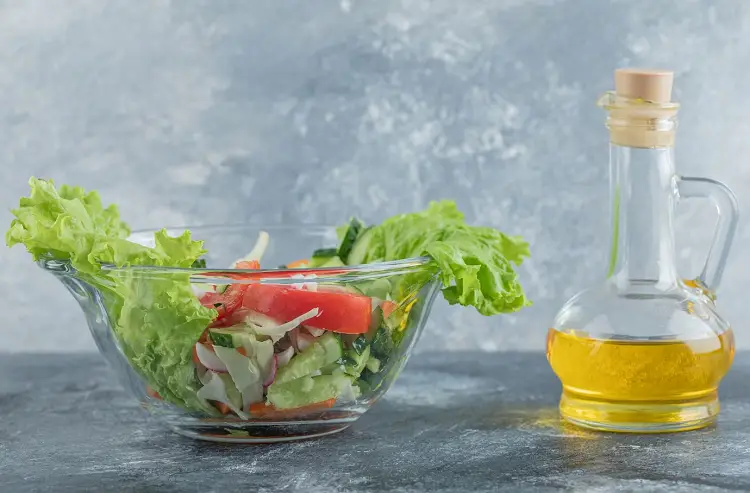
(222, 337)
(325, 350)
(373, 364)
(322, 256)
(307, 390)
(354, 363)
(379, 288)
(325, 253)
(376, 321)
(382, 344)
(350, 238)
(339, 288)
(360, 344)
(333, 262)
(358, 252)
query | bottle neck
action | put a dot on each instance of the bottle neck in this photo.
(643, 192)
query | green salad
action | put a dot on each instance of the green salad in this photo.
(254, 349)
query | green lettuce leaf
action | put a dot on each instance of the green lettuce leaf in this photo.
(156, 316)
(476, 263)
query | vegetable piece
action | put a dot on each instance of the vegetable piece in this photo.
(216, 390)
(156, 319)
(373, 364)
(333, 262)
(264, 325)
(245, 374)
(222, 337)
(354, 362)
(360, 344)
(257, 252)
(247, 344)
(388, 308)
(382, 344)
(337, 312)
(323, 256)
(475, 264)
(315, 332)
(272, 374)
(303, 341)
(360, 249)
(325, 253)
(262, 410)
(307, 390)
(225, 303)
(283, 357)
(297, 264)
(206, 356)
(199, 263)
(152, 393)
(248, 264)
(325, 350)
(350, 237)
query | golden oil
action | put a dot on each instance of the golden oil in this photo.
(639, 385)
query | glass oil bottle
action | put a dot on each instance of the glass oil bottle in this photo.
(644, 351)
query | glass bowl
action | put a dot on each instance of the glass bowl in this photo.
(399, 294)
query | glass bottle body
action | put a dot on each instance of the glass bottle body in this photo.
(644, 351)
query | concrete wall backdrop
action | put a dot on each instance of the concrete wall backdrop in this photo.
(298, 111)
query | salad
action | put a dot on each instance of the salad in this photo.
(255, 349)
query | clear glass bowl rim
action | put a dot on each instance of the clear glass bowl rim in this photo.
(220, 275)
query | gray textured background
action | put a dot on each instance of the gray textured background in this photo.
(297, 111)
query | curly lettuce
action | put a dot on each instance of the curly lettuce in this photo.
(476, 264)
(156, 316)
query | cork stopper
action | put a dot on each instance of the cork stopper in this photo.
(648, 84)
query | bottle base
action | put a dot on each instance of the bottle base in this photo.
(639, 417)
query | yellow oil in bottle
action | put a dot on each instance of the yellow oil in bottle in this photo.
(640, 386)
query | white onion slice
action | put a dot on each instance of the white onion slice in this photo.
(258, 250)
(304, 341)
(283, 357)
(264, 325)
(214, 390)
(209, 359)
(315, 332)
(272, 374)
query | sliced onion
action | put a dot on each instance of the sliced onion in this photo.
(271, 374)
(261, 324)
(283, 357)
(293, 337)
(258, 250)
(215, 390)
(209, 359)
(315, 332)
(304, 341)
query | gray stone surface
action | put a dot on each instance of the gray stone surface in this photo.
(206, 111)
(456, 422)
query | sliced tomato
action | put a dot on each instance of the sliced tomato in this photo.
(248, 264)
(278, 274)
(298, 264)
(225, 303)
(345, 313)
(388, 307)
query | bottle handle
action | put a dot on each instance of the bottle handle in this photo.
(726, 226)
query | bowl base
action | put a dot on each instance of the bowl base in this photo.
(223, 436)
(262, 431)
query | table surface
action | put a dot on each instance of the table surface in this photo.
(453, 422)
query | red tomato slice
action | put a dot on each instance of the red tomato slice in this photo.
(225, 303)
(339, 312)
